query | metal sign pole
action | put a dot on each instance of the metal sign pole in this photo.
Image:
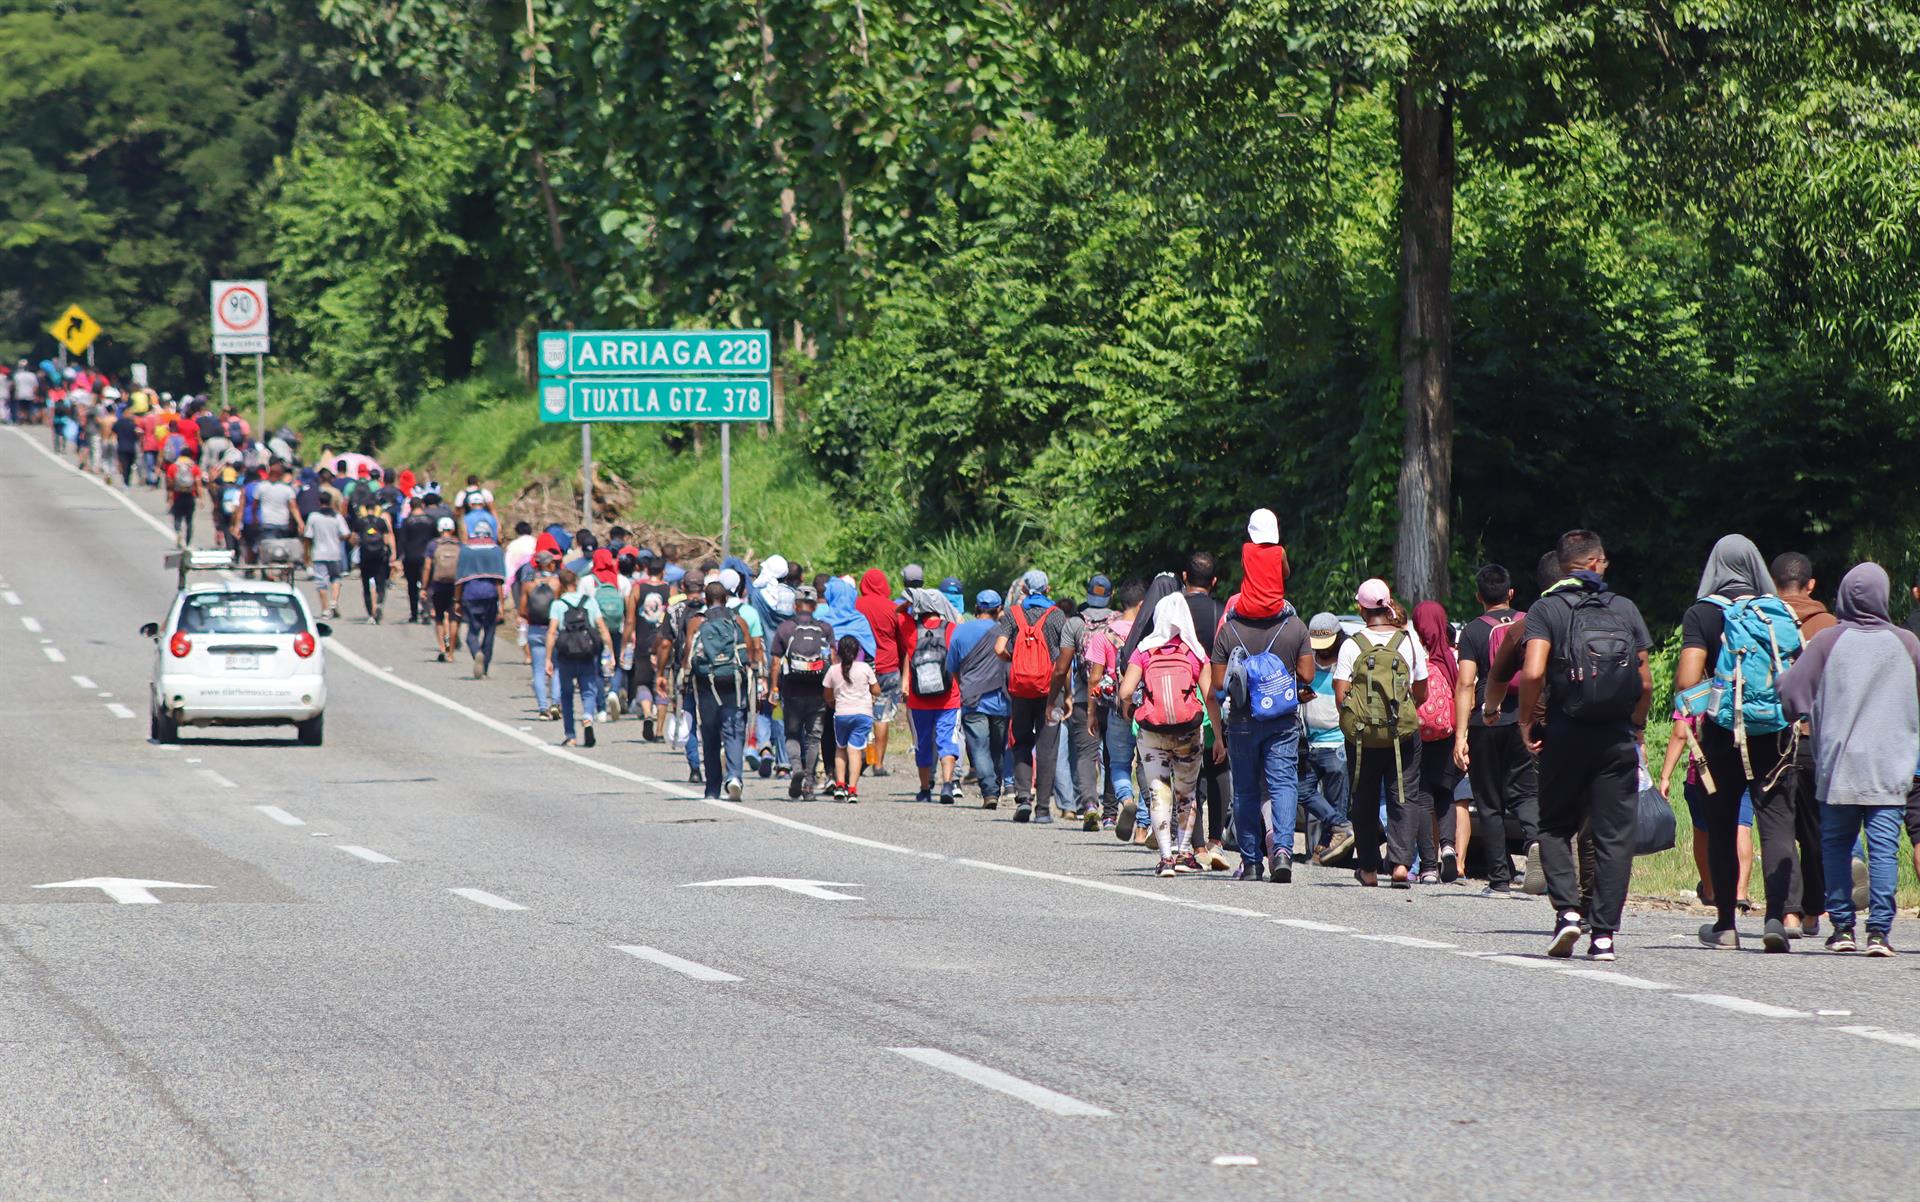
(586, 475)
(726, 489)
(223, 383)
(260, 393)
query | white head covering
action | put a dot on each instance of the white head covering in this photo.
(1263, 527)
(772, 585)
(1173, 619)
(731, 579)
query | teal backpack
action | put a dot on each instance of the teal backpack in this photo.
(1760, 640)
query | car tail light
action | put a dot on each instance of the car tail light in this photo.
(180, 645)
(303, 644)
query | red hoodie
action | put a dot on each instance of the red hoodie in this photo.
(876, 602)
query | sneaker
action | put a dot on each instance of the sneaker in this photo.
(1535, 882)
(838, 791)
(1022, 810)
(1142, 833)
(646, 729)
(1339, 845)
(852, 795)
(1106, 824)
(766, 767)
(1842, 940)
(1187, 863)
(1215, 858)
(946, 793)
(1166, 867)
(586, 733)
(1043, 818)
(1565, 936)
(924, 797)
(1249, 870)
(733, 788)
(1878, 944)
(1090, 820)
(1860, 889)
(602, 716)
(989, 803)
(793, 788)
(1601, 948)
(1503, 889)
(1727, 940)
(615, 708)
(1449, 864)
(1776, 939)
(695, 778)
(1123, 821)
(1280, 870)
(478, 671)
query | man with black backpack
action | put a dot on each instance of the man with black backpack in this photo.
(534, 600)
(416, 534)
(1587, 648)
(1033, 640)
(801, 651)
(1497, 763)
(373, 538)
(722, 656)
(579, 638)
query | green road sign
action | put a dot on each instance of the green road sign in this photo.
(650, 399)
(654, 352)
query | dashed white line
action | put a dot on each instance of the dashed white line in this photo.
(281, 816)
(1899, 1039)
(12, 597)
(216, 778)
(1507, 958)
(1308, 924)
(1614, 978)
(32, 624)
(1014, 1087)
(1740, 1005)
(85, 682)
(1235, 1162)
(487, 899)
(698, 972)
(366, 853)
(55, 654)
(1408, 941)
(118, 710)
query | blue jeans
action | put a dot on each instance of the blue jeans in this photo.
(537, 644)
(584, 675)
(1839, 827)
(1264, 758)
(723, 725)
(1324, 785)
(1119, 740)
(771, 732)
(987, 749)
(691, 708)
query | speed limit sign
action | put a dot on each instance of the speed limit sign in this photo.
(240, 317)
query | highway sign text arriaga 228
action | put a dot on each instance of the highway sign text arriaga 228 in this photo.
(654, 352)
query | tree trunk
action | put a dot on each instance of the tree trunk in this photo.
(1426, 344)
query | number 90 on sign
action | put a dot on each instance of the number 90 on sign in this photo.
(655, 400)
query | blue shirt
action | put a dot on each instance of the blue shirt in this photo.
(967, 636)
(1327, 736)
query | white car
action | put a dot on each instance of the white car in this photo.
(238, 653)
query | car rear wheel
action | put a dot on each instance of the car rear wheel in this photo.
(161, 727)
(312, 731)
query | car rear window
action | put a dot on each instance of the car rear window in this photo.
(241, 613)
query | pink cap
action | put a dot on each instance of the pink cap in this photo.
(1374, 594)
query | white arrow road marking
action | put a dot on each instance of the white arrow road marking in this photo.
(698, 972)
(1013, 1087)
(803, 888)
(126, 891)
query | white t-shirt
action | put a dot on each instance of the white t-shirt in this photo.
(1410, 650)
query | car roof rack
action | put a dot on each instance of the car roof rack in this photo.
(280, 562)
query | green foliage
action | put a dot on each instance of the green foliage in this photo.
(369, 252)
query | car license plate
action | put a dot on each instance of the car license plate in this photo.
(242, 663)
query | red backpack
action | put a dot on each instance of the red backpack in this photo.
(1436, 713)
(1031, 673)
(1173, 694)
(1501, 625)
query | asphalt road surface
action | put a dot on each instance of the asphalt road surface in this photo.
(441, 957)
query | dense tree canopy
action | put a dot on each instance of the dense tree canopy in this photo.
(1440, 277)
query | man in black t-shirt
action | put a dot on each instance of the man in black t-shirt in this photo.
(1496, 761)
(1589, 766)
(800, 653)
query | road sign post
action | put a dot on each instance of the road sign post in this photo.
(723, 376)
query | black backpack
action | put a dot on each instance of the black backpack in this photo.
(1596, 677)
(578, 640)
(809, 650)
(373, 541)
(539, 604)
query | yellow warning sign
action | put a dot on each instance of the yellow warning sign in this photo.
(75, 330)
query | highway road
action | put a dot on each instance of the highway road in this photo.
(441, 957)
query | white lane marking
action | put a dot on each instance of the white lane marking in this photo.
(1614, 978)
(698, 972)
(1235, 1162)
(487, 899)
(85, 682)
(366, 853)
(118, 710)
(1899, 1039)
(55, 654)
(804, 888)
(1740, 1005)
(1834, 1013)
(281, 816)
(158, 526)
(12, 597)
(216, 778)
(1507, 958)
(1014, 1087)
(1408, 941)
(32, 624)
(165, 746)
(103, 693)
(1102, 886)
(1308, 924)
